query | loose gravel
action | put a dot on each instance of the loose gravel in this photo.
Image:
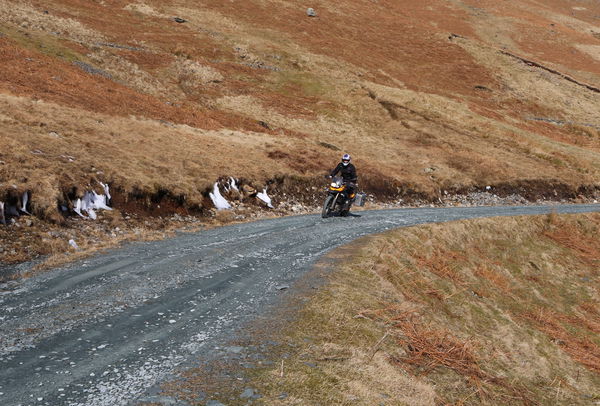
(107, 330)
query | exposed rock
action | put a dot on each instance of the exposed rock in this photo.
(248, 190)
(311, 12)
(92, 70)
(249, 393)
(179, 20)
(214, 403)
(118, 46)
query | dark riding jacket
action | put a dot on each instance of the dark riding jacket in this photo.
(348, 172)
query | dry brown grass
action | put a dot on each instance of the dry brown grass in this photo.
(408, 299)
(582, 349)
(180, 159)
(26, 16)
(454, 103)
(470, 148)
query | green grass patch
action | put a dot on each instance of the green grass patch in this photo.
(308, 84)
(43, 43)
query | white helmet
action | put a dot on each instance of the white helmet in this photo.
(346, 159)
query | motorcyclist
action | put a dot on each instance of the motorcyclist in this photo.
(348, 173)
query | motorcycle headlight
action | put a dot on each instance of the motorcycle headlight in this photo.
(333, 184)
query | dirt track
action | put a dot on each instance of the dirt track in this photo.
(107, 330)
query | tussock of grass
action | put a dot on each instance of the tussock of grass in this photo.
(396, 125)
(491, 311)
(422, 112)
(25, 15)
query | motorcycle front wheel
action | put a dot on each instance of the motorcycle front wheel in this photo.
(327, 207)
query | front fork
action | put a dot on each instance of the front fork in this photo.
(346, 202)
(334, 201)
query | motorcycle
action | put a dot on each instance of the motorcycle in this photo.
(337, 202)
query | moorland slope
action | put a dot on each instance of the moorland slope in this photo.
(161, 99)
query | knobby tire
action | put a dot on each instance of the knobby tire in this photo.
(326, 207)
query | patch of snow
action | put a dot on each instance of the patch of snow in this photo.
(106, 191)
(100, 202)
(77, 207)
(73, 244)
(232, 184)
(218, 200)
(25, 200)
(91, 202)
(265, 198)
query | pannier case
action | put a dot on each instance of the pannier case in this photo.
(360, 199)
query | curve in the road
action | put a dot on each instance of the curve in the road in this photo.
(102, 331)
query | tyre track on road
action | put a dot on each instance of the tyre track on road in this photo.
(105, 330)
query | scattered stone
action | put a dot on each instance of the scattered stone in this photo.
(117, 46)
(234, 349)
(264, 125)
(28, 222)
(310, 364)
(282, 287)
(311, 12)
(250, 393)
(91, 70)
(73, 244)
(329, 146)
(167, 123)
(179, 20)
(163, 400)
(283, 395)
(53, 134)
(214, 403)
(262, 65)
(248, 190)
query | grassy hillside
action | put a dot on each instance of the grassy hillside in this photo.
(430, 97)
(494, 311)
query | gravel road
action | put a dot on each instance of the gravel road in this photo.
(106, 330)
